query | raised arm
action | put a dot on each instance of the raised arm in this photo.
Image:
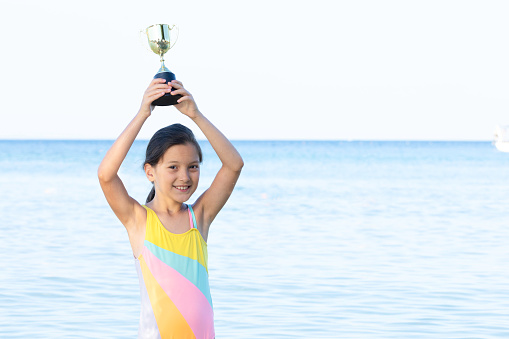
(126, 208)
(212, 200)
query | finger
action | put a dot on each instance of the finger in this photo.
(158, 93)
(157, 80)
(181, 91)
(176, 84)
(161, 87)
(154, 95)
(186, 98)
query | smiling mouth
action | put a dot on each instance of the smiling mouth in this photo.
(182, 188)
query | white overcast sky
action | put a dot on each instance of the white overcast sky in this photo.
(363, 69)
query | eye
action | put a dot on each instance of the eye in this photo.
(173, 167)
(195, 167)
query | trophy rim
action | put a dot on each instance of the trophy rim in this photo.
(172, 25)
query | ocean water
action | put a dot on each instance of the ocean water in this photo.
(319, 240)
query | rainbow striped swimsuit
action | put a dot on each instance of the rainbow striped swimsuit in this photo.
(174, 283)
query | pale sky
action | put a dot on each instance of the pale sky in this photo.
(340, 70)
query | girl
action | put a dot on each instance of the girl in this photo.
(167, 236)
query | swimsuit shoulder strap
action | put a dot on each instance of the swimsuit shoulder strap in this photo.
(192, 218)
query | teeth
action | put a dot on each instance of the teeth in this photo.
(182, 187)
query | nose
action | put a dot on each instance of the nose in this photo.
(184, 175)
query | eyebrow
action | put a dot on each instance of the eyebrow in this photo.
(178, 162)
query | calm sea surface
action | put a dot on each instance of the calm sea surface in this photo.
(319, 240)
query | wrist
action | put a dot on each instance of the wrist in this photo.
(144, 113)
(197, 115)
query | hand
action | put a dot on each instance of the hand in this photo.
(186, 105)
(155, 90)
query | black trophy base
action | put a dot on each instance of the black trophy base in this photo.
(167, 99)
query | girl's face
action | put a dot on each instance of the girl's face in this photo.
(177, 174)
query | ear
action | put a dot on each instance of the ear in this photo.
(149, 172)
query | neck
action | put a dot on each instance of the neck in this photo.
(171, 207)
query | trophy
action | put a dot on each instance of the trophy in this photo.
(161, 38)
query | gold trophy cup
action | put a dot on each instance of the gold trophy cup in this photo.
(161, 38)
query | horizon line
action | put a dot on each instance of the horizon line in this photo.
(272, 140)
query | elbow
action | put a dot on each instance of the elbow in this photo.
(234, 166)
(102, 176)
(106, 174)
(239, 165)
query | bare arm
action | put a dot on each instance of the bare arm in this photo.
(126, 208)
(211, 201)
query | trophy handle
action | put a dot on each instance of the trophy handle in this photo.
(176, 28)
(142, 36)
